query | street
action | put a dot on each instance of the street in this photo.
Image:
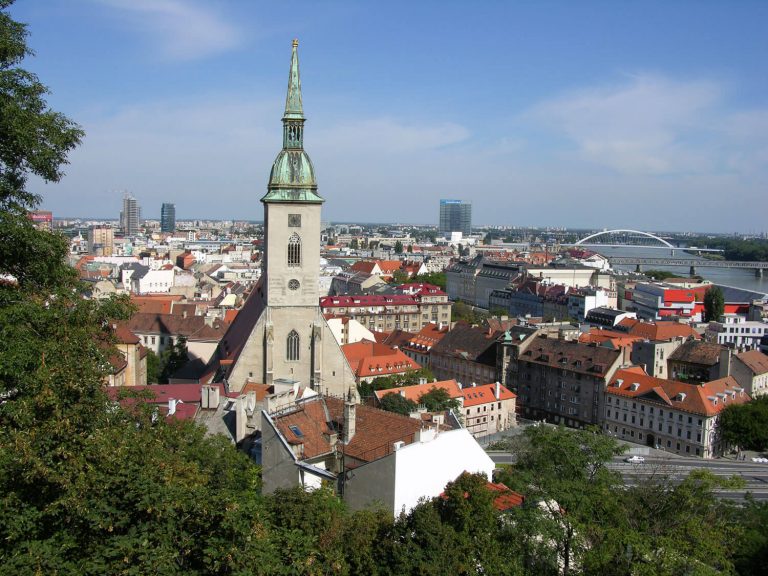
(754, 475)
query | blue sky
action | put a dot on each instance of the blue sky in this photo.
(651, 115)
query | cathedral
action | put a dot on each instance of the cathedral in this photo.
(280, 334)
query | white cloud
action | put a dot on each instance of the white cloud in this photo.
(649, 125)
(182, 29)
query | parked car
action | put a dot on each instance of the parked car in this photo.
(634, 459)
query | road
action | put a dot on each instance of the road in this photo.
(754, 475)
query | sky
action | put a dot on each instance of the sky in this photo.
(629, 114)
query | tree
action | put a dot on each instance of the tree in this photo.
(400, 277)
(434, 278)
(438, 400)
(714, 304)
(745, 425)
(355, 244)
(410, 248)
(394, 402)
(172, 359)
(398, 247)
(153, 367)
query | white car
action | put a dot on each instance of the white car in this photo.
(760, 460)
(634, 459)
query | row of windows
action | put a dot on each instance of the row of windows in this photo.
(640, 437)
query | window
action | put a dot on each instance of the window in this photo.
(294, 250)
(292, 347)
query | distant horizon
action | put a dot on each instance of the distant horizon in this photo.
(474, 226)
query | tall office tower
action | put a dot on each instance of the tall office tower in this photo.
(168, 217)
(455, 216)
(130, 217)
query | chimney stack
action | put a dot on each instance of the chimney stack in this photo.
(171, 406)
(498, 391)
(350, 416)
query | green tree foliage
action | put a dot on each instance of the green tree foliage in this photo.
(461, 311)
(435, 278)
(398, 247)
(400, 277)
(659, 274)
(153, 367)
(355, 244)
(438, 400)
(394, 402)
(172, 359)
(714, 304)
(410, 377)
(748, 250)
(746, 425)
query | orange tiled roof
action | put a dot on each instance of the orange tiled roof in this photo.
(485, 394)
(416, 391)
(706, 399)
(373, 359)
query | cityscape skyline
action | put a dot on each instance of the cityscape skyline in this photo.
(637, 117)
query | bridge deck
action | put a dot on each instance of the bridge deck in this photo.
(629, 261)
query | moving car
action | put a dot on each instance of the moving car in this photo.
(634, 459)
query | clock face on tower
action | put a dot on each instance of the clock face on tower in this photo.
(294, 220)
(293, 284)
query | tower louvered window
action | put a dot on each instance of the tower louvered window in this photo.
(294, 250)
(292, 348)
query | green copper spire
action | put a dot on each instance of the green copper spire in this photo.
(293, 107)
(293, 177)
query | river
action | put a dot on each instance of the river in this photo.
(740, 278)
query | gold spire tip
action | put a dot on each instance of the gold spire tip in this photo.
(295, 42)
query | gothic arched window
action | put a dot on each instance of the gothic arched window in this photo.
(292, 346)
(294, 250)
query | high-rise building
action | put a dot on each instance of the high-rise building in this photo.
(455, 216)
(168, 217)
(101, 240)
(130, 217)
(280, 335)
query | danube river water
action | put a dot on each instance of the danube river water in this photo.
(739, 278)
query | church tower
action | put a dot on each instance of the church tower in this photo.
(280, 333)
(292, 211)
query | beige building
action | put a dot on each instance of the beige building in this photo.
(280, 333)
(750, 369)
(669, 415)
(101, 241)
(387, 312)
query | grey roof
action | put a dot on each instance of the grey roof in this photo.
(732, 295)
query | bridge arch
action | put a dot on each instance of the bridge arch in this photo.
(638, 232)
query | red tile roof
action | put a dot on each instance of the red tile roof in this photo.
(485, 394)
(375, 430)
(706, 399)
(755, 360)
(415, 391)
(657, 330)
(373, 359)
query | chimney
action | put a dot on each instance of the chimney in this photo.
(172, 406)
(350, 416)
(498, 391)
(474, 384)
(725, 362)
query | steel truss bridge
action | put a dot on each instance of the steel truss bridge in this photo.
(758, 267)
